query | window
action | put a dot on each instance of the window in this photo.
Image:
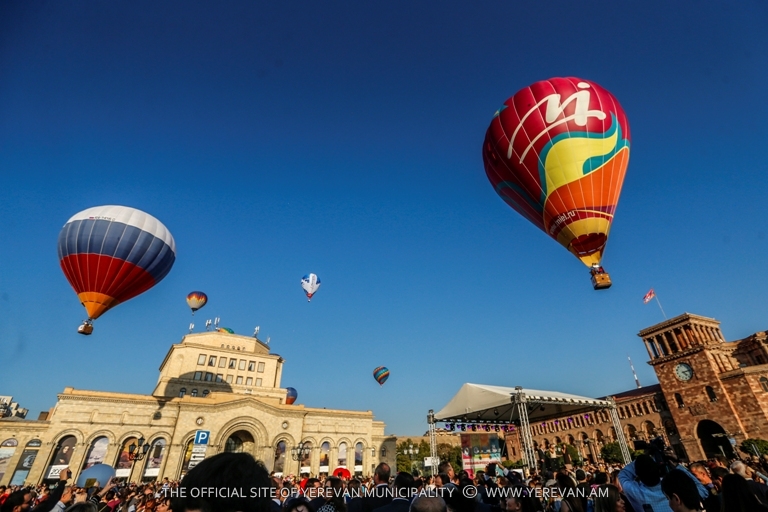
(711, 394)
(679, 400)
(764, 384)
(232, 364)
(242, 364)
(251, 366)
(194, 392)
(229, 379)
(182, 392)
(219, 377)
(212, 361)
(198, 376)
(258, 383)
(208, 376)
(261, 368)
(249, 381)
(201, 359)
(205, 392)
(222, 362)
(239, 380)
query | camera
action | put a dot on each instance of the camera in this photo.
(663, 455)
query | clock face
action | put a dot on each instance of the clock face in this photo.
(683, 372)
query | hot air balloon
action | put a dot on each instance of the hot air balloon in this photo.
(381, 374)
(310, 283)
(196, 300)
(110, 254)
(557, 152)
(225, 330)
(291, 396)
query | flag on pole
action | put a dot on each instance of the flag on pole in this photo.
(649, 296)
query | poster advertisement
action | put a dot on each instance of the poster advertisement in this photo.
(155, 459)
(342, 462)
(325, 450)
(306, 460)
(26, 461)
(359, 458)
(7, 449)
(97, 453)
(62, 457)
(479, 450)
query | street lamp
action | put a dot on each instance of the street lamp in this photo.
(138, 452)
(301, 451)
(410, 451)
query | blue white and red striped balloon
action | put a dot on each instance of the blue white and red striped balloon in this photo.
(310, 283)
(110, 254)
(291, 396)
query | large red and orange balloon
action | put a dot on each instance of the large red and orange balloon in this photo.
(557, 152)
(110, 254)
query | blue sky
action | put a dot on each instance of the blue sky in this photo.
(344, 139)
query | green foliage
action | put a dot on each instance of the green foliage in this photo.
(573, 453)
(451, 454)
(748, 446)
(512, 464)
(611, 452)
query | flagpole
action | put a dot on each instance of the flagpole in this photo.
(659, 303)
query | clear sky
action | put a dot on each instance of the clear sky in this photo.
(275, 139)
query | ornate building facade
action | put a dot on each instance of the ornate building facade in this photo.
(712, 394)
(216, 392)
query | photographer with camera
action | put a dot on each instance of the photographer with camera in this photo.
(641, 479)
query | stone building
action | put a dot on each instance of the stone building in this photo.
(712, 394)
(213, 386)
(717, 390)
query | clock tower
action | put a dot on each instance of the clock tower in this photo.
(709, 391)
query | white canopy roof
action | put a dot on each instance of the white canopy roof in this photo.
(479, 403)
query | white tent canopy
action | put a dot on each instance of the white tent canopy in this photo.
(479, 403)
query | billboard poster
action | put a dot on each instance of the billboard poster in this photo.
(479, 450)
(62, 457)
(7, 449)
(97, 453)
(125, 461)
(325, 450)
(26, 461)
(155, 459)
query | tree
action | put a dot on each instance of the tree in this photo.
(611, 452)
(751, 446)
(449, 453)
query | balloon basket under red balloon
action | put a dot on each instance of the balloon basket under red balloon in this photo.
(86, 328)
(601, 281)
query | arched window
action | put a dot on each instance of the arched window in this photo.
(711, 394)
(155, 458)
(358, 457)
(96, 452)
(205, 392)
(679, 400)
(61, 457)
(645, 407)
(325, 455)
(182, 392)
(764, 384)
(194, 392)
(342, 461)
(279, 458)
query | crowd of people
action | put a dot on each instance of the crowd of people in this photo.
(236, 482)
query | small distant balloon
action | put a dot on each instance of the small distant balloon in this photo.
(225, 330)
(291, 396)
(381, 374)
(310, 283)
(196, 300)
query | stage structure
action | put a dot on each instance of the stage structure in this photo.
(502, 406)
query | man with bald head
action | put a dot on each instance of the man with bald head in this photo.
(380, 495)
(428, 504)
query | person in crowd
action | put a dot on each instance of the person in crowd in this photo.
(228, 470)
(609, 499)
(717, 474)
(681, 491)
(641, 482)
(738, 496)
(615, 482)
(355, 498)
(701, 472)
(447, 469)
(519, 499)
(380, 494)
(86, 506)
(404, 490)
(567, 489)
(296, 504)
(333, 495)
(759, 490)
(428, 504)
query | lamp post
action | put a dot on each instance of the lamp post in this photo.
(301, 451)
(138, 452)
(410, 452)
